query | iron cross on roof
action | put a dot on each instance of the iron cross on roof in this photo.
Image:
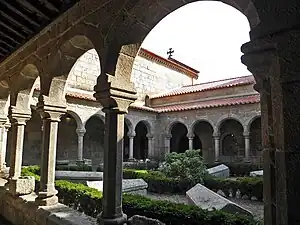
(170, 52)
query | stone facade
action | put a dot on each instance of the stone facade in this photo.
(149, 125)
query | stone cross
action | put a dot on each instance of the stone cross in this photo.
(170, 53)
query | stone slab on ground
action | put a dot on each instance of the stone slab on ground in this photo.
(132, 186)
(205, 198)
(142, 220)
(78, 175)
(219, 171)
(257, 173)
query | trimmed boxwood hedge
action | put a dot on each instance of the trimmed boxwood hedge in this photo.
(238, 169)
(159, 183)
(88, 200)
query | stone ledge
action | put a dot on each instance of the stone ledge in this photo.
(23, 210)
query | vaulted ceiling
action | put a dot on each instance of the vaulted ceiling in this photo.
(22, 19)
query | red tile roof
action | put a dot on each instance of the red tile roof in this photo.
(240, 100)
(231, 82)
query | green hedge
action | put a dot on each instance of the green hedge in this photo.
(159, 183)
(88, 200)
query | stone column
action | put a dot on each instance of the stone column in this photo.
(274, 62)
(112, 178)
(47, 193)
(131, 139)
(191, 142)
(168, 143)
(80, 136)
(18, 119)
(150, 145)
(3, 145)
(217, 147)
(247, 147)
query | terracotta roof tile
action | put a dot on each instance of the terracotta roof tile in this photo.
(211, 103)
(207, 86)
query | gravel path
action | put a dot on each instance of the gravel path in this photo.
(256, 207)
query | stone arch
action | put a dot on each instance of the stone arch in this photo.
(232, 142)
(202, 133)
(61, 61)
(192, 127)
(179, 141)
(249, 123)
(172, 124)
(93, 144)
(141, 145)
(77, 119)
(130, 127)
(22, 87)
(222, 119)
(255, 134)
(148, 126)
(135, 30)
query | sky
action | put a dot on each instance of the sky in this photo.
(206, 35)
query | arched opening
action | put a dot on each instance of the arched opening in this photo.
(32, 140)
(67, 140)
(93, 144)
(126, 142)
(232, 140)
(255, 138)
(179, 139)
(204, 132)
(140, 149)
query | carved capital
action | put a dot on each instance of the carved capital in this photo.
(149, 136)
(131, 134)
(168, 136)
(81, 132)
(113, 94)
(50, 111)
(18, 116)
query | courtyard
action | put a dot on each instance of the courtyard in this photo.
(80, 95)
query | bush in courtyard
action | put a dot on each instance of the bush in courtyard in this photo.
(187, 166)
(89, 201)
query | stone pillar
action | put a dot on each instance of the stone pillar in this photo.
(80, 136)
(18, 119)
(168, 143)
(247, 147)
(3, 145)
(217, 147)
(150, 145)
(51, 118)
(274, 62)
(191, 142)
(131, 139)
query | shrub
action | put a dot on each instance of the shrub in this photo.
(79, 167)
(89, 201)
(187, 166)
(152, 165)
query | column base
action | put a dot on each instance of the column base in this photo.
(48, 201)
(47, 198)
(122, 220)
(131, 160)
(21, 185)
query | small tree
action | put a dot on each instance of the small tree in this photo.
(188, 166)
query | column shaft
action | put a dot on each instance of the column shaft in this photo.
(191, 146)
(168, 144)
(3, 147)
(131, 139)
(47, 194)
(80, 136)
(247, 147)
(113, 169)
(217, 148)
(150, 147)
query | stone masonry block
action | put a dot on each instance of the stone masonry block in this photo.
(22, 186)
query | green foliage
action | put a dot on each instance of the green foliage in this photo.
(160, 183)
(187, 166)
(79, 167)
(89, 201)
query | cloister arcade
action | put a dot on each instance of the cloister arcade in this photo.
(116, 29)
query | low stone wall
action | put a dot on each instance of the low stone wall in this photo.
(23, 211)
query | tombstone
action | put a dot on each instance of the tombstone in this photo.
(219, 171)
(78, 175)
(142, 220)
(205, 198)
(130, 186)
(62, 162)
(257, 173)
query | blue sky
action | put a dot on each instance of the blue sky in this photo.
(206, 35)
